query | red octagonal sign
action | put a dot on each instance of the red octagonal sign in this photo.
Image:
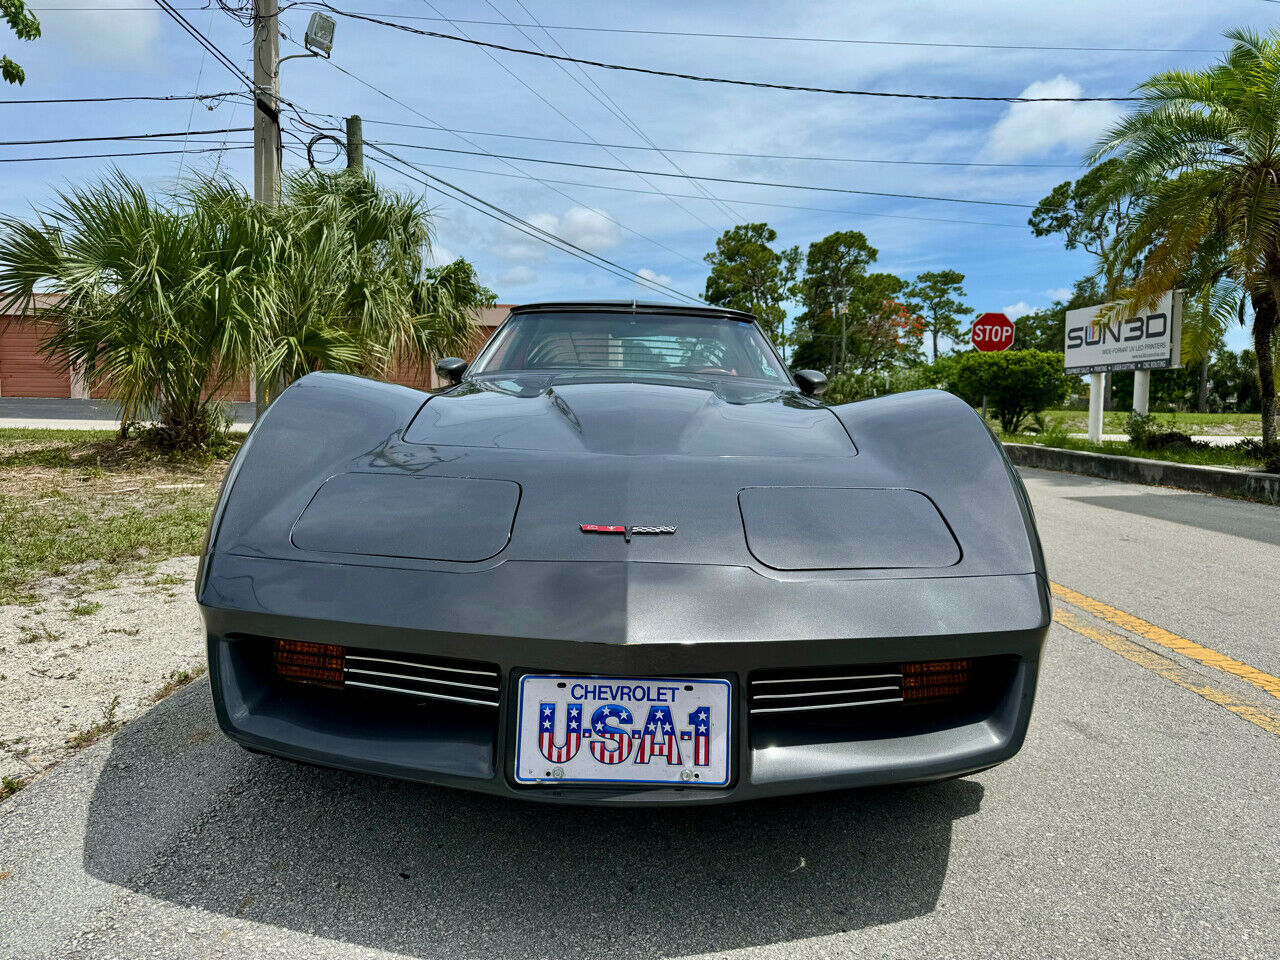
(992, 331)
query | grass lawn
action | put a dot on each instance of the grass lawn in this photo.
(1210, 457)
(90, 504)
(1113, 421)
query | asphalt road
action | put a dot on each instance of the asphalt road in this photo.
(59, 413)
(1142, 819)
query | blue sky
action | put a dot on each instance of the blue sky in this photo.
(124, 47)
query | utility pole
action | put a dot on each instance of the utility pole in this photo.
(844, 336)
(355, 143)
(844, 330)
(266, 113)
(266, 130)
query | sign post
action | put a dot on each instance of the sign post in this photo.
(1097, 382)
(1141, 391)
(1142, 343)
(990, 333)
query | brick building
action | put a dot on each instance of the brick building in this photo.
(25, 373)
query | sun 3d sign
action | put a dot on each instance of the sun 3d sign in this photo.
(1147, 341)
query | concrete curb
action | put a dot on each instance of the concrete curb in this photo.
(32, 423)
(1221, 481)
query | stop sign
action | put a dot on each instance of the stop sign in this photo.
(992, 331)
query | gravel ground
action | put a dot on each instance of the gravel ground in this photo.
(77, 663)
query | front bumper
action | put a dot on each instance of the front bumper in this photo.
(644, 620)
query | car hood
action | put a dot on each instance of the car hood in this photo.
(631, 418)
(344, 470)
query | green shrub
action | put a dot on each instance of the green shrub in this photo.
(1016, 383)
(1139, 428)
(1269, 454)
(1146, 433)
(943, 371)
(850, 385)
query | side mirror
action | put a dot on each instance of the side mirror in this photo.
(811, 382)
(451, 369)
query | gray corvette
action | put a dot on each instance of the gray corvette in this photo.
(625, 557)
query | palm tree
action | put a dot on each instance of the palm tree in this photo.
(149, 302)
(1201, 156)
(347, 286)
(167, 302)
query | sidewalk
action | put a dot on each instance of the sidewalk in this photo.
(63, 414)
(1213, 439)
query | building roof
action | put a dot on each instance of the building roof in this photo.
(43, 301)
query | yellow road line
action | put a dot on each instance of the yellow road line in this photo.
(1170, 641)
(1268, 720)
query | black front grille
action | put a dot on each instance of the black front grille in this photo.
(433, 678)
(365, 706)
(423, 676)
(815, 705)
(823, 689)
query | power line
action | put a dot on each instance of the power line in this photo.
(125, 136)
(382, 93)
(498, 212)
(750, 183)
(191, 113)
(753, 203)
(517, 226)
(490, 210)
(272, 110)
(728, 153)
(611, 105)
(141, 153)
(538, 232)
(570, 121)
(196, 96)
(524, 226)
(759, 84)
(736, 36)
(217, 165)
(191, 30)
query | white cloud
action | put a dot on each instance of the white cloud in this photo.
(1059, 293)
(588, 229)
(1019, 309)
(1034, 129)
(654, 276)
(517, 276)
(106, 34)
(516, 246)
(441, 255)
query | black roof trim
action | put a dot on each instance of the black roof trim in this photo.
(632, 306)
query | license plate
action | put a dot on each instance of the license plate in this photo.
(623, 730)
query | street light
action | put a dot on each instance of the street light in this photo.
(319, 36)
(318, 39)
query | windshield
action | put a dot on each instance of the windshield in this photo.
(622, 343)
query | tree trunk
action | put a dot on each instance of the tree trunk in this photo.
(1202, 402)
(1264, 325)
(934, 331)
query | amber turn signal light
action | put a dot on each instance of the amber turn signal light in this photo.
(935, 680)
(321, 663)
